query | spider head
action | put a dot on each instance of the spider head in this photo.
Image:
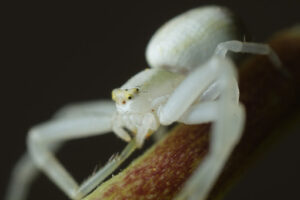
(123, 96)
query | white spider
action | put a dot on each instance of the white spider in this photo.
(191, 81)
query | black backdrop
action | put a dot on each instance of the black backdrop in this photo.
(61, 53)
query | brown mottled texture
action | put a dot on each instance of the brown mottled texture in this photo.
(270, 99)
(163, 171)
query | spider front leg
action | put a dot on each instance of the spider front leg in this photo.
(220, 107)
(82, 120)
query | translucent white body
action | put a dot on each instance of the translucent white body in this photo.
(191, 81)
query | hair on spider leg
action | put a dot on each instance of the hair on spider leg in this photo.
(113, 157)
(98, 166)
(94, 171)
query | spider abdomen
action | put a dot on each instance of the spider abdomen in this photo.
(191, 38)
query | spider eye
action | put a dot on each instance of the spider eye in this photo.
(130, 97)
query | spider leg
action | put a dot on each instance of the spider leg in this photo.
(225, 112)
(187, 92)
(253, 48)
(23, 174)
(228, 116)
(44, 139)
(228, 119)
(104, 107)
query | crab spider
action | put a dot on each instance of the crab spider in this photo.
(191, 80)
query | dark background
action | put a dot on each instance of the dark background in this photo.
(61, 53)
